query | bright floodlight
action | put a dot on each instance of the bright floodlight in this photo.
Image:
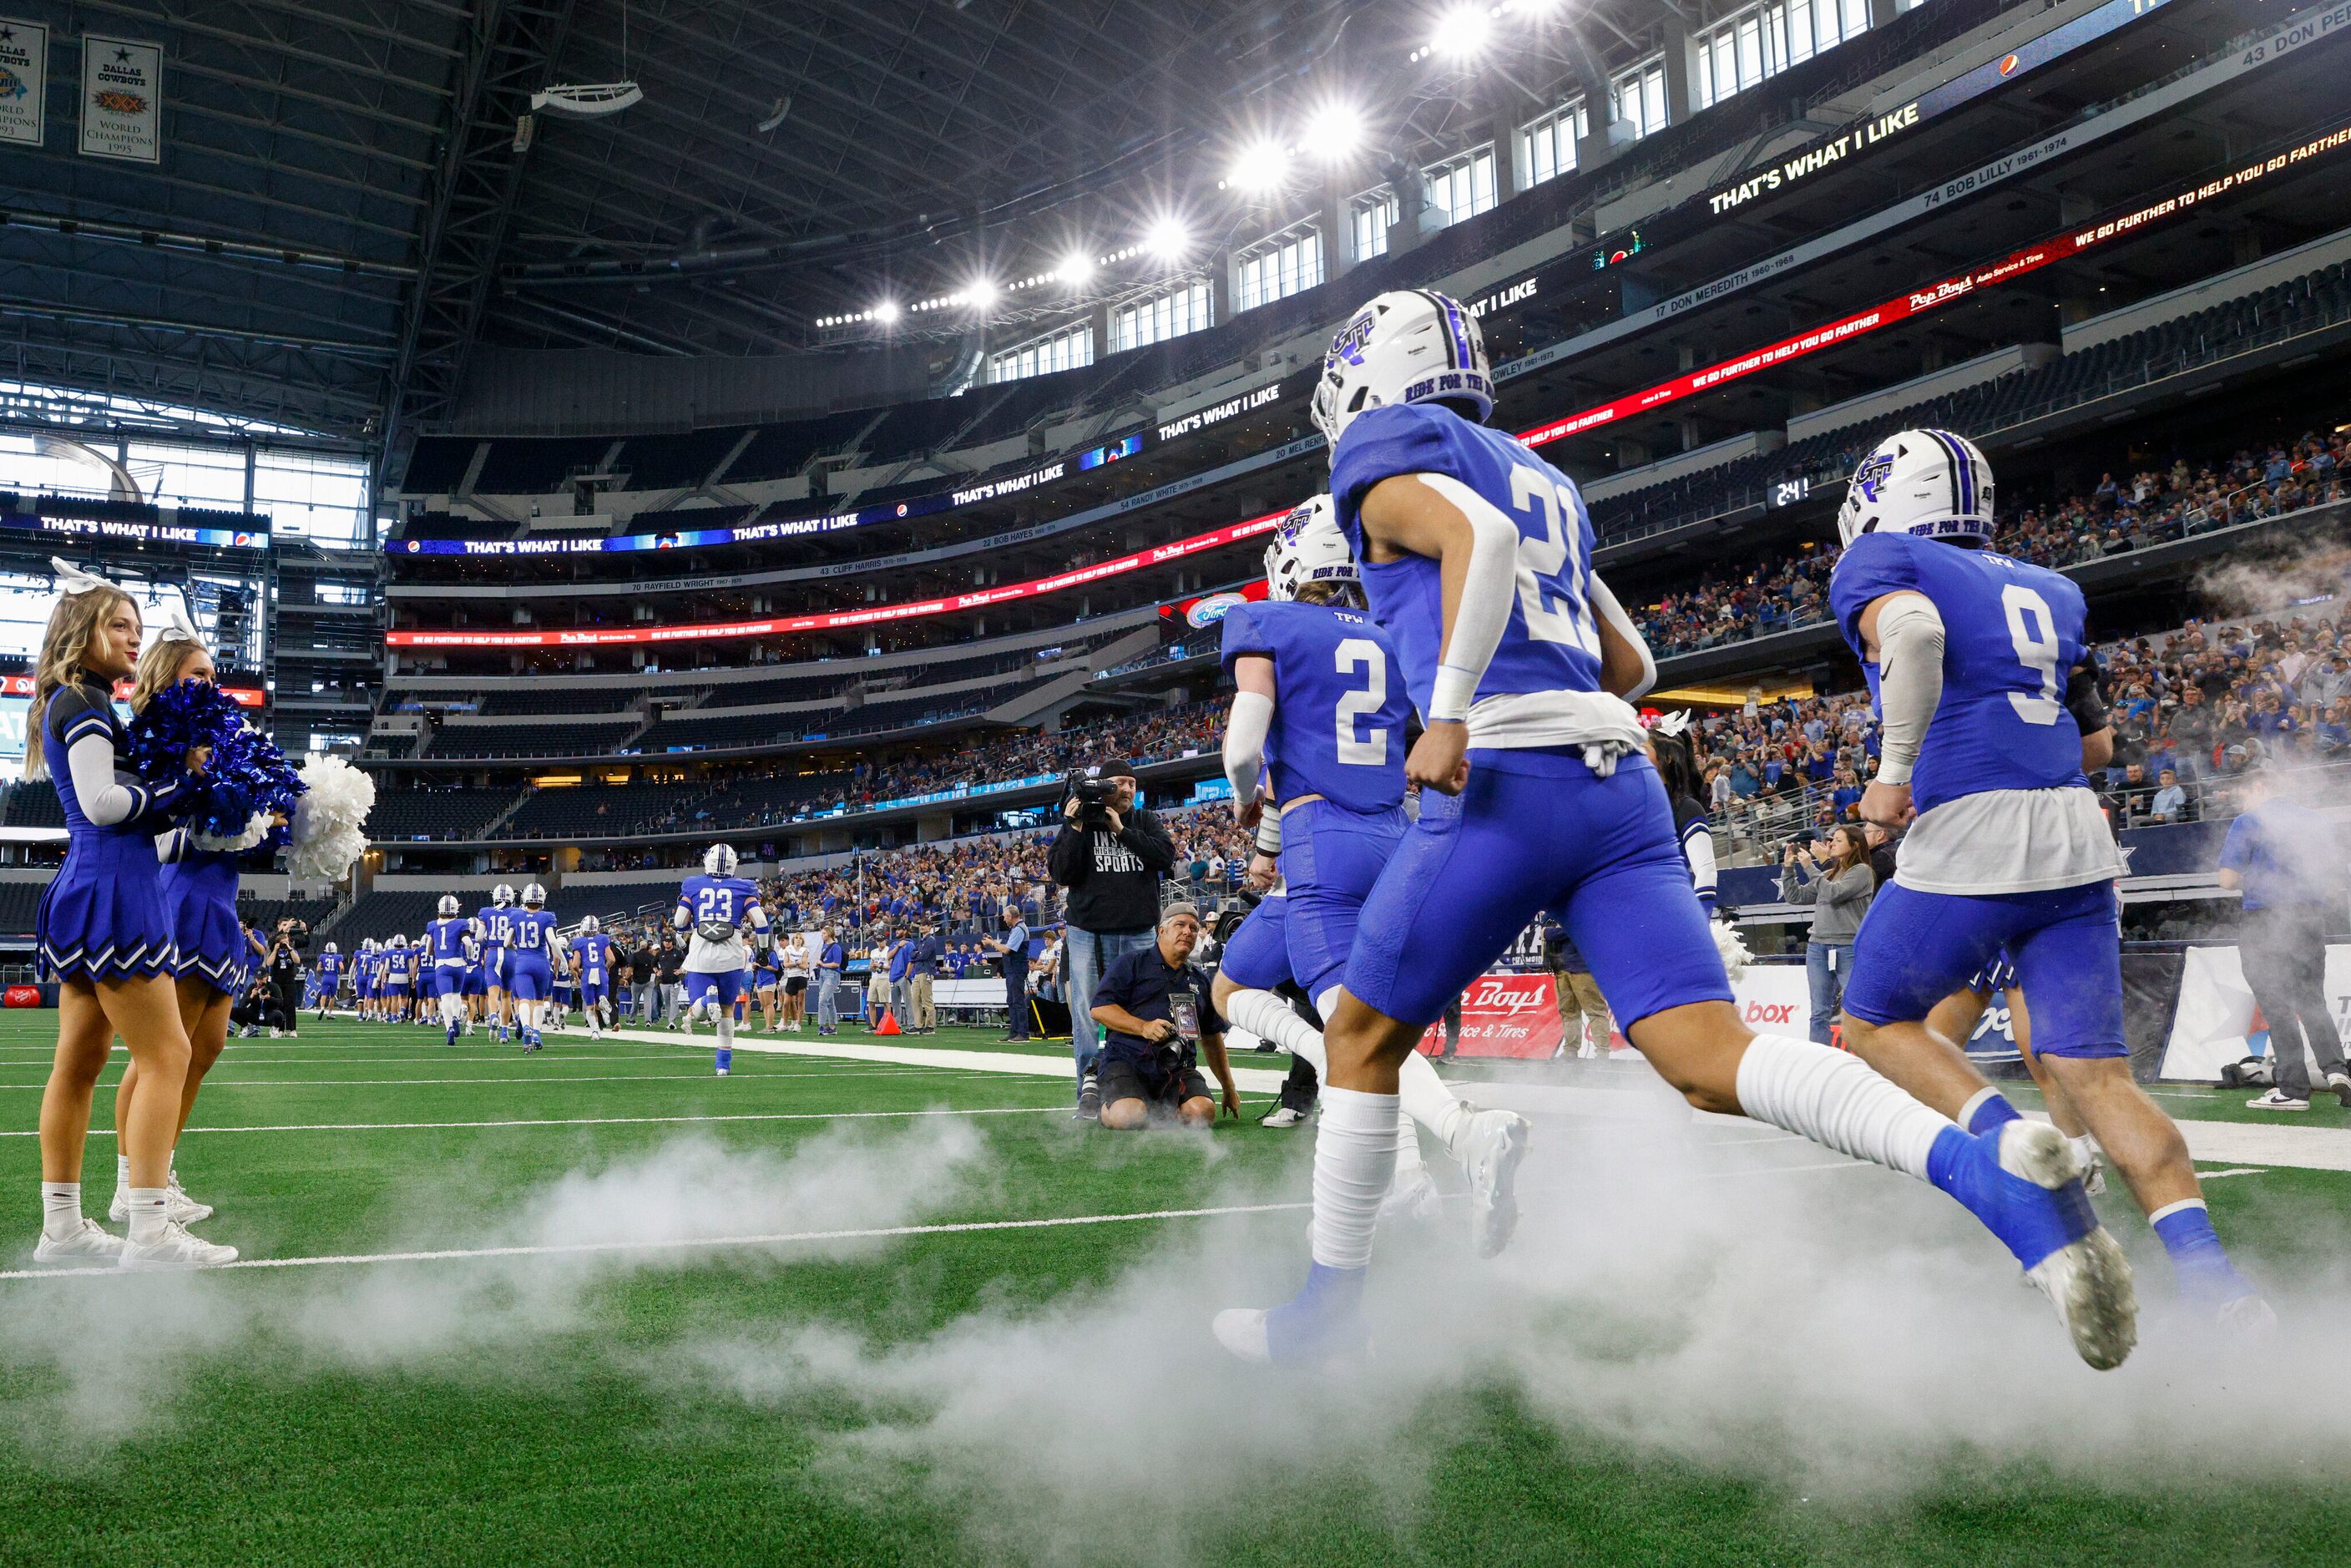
(1168, 240)
(1260, 167)
(1334, 133)
(981, 294)
(886, 313)
(1462, 32)
(1075, 268)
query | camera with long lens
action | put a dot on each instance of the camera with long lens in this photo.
(1094, 795)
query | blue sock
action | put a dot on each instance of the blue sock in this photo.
(1989, 1109)
(2198, 1259)
(1321, 1318)
(2031, 1221)
(726, 1060)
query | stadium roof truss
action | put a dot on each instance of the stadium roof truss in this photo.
(350, 195)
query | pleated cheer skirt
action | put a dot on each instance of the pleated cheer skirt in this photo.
(104, 918)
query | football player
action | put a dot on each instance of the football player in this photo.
(1320, 711)
(591, 960)
(714, 905)
(1991, 712)
(330, 978)
(450, 940)
(529, 976)
(496, 920)
(1475, 557)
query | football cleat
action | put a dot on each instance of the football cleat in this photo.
(87, 1244)
(1322, 1324)
(2026, 1187)
(175, 1249)
(1282, 1117)
(1412, 1196)
(1491, 1146)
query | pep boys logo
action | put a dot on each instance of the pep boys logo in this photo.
(1507, 994)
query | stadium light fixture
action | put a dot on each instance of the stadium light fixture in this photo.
(886, 313)
(1167, 239)
(1462, 33)
(1335, 133)
(1076, 269)
(1259, 168)
(980, 294)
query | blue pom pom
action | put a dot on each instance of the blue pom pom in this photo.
(247, 772)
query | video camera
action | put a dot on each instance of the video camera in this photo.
(1094, 795)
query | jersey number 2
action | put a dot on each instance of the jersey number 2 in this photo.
(2032, 633)
(1371, 751)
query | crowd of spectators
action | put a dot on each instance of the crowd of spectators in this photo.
(2151, 507)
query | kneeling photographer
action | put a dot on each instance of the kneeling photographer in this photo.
(1110, 855)
(1153, 1007)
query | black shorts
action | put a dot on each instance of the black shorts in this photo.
(1122, 1079)
(795, 984)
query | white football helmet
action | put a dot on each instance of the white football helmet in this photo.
(502, 895)
(367, 943)
(719, 859)
(590, 926)
(1925, 482)
(1309, 547)
(335, 950)
(1409, 344)
(398, 941)
(533, 896)
(448, 906)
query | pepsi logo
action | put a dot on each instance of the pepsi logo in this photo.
(2008, 65)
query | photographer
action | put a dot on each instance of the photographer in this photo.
(1110, 855)
(1153, 1006)
(285, 975)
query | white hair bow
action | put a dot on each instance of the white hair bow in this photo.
(73, 580)
(177, 626)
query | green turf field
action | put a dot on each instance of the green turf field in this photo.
(596, 1305)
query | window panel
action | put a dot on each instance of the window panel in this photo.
(1181, 309)
(1279, 267)
(1069, 350)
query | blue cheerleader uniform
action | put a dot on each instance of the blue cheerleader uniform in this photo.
(200, 889)
(105, 916)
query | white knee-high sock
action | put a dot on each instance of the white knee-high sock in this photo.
(1835, 1100)
(1422, 1093)
(725, 1029)
(1354, 1161)
(1408, 1160)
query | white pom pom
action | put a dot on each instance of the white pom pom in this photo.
(327, 823)
(255, 832)
(1734, 951)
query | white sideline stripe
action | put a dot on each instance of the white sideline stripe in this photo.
(212, 1081)
(596, 1121)
(1017, 1064)
(2216, 1176)
(783, 1238)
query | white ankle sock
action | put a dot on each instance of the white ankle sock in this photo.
(1835, 1100)
(2086, 1148)
(147, 1214)
(61, 1208)
(122, 1171)
(1354, 1161)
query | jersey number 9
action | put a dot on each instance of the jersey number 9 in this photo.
(2032, 633)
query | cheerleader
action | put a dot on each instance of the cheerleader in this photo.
(105, 932)
(215, 952)
(794, 989)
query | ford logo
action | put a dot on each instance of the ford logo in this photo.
(1206, 612)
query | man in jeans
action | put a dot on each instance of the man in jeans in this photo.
(1012, 957)
(2282, 854)
(1112, 858)
(830, 957)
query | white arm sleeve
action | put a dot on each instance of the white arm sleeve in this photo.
(105, 800)
(1697, 847)
(1909, 681)
(1269, 831)
(679, 918)
(1245, 734)
(1604, 605)
(1487, 591)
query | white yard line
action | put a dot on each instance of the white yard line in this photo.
(214, 1082)
(783, 1238)
(2241, 1170)
(596, 1121)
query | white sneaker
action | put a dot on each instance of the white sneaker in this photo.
(178, 1207)
(2277, 1099)
(175, 1250)
(1412, 1196)
(87, 1244)
(1282, 1116)
(2088, 1280)
(2340, 1083)
(2249, 1319)
(1491, 1144)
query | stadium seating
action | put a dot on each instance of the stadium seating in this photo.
(532, 740)
(32, 805)
(605, 811)
(425, 813)
(20, 903)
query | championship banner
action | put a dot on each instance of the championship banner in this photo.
(122, 100)
(2217, 1021)
(23, 80)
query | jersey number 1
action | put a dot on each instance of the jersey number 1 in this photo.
(2032, 633)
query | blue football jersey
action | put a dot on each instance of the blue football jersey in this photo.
(2012, 634)
(448, 937)
(330, 965)
(497, 922)
(1339, 703)
(594, 955)
(533, 931)
(722, 899)
(1551, 643)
